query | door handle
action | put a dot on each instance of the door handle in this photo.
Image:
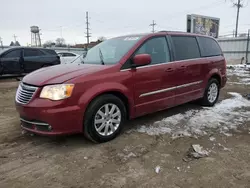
(182, 67)
(169, 70)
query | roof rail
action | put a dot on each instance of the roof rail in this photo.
(173, 31)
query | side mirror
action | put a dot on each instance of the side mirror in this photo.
(142, 59)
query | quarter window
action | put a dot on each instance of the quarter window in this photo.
(157, 48)
(52, 52)
(185, 48)
(209, 47)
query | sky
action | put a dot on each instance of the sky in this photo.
(110, 18)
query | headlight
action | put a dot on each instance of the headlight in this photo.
(57, 92)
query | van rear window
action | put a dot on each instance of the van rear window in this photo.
(51, 52)
(209, 47)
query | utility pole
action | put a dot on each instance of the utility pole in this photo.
(1, 42)
(87, 28)
(153, 26)
(248, 40)
(238, 5)
(14, 37)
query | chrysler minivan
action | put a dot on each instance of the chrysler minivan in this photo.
(120, 79)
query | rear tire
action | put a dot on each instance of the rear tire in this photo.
(104, 118)
(211, 93)
(1, 69)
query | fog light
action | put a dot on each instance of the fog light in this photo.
(49, 127)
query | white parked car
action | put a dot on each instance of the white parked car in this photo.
(69, 57)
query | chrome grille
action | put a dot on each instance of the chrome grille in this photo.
(25, 93)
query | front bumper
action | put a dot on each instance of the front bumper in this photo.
(50, 118)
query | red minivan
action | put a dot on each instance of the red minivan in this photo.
(120, 79)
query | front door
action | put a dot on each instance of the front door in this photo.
(10, 62)
(154, 83)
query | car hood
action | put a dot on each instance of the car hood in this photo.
(60, 73)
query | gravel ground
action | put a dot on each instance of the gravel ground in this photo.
(149, 153)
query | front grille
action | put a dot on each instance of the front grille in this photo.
(27, 125)
(25, 93)
(43, 128)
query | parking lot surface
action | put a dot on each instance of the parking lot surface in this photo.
(150, 152)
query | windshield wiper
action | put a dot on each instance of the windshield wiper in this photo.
(79, 57)
(76, 59)
(101, 56)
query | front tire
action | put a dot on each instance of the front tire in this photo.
(104, 118)
(211, 93)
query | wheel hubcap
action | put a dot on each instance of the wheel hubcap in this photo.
(212, 92)
(107, 119)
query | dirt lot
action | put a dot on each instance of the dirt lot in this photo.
(161, 139)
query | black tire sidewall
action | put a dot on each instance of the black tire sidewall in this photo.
(1, 69)
(206, 102)
(89, 128)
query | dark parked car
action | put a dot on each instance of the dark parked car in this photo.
(121, 78)
(19, 60)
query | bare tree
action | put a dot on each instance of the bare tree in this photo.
(60, 42)
(48, 43)
(102, 38)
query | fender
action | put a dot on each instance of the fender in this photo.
(96, 90)
(214, 71)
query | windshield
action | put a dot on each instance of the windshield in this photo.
(3, 50)
(110, 51)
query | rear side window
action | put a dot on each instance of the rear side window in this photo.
(66, 54)
(13, 54)
(69, 55)
(32, 53)
(209, 47)
(51, 52)
(185, 48)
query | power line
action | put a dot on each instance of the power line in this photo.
(153, 24)
(203, 7)
(233, 25)
(170, 16)
(87, 28)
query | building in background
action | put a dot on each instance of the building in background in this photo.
(87, 46)
(204, 25)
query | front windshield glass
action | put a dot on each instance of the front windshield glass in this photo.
(110, 51)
